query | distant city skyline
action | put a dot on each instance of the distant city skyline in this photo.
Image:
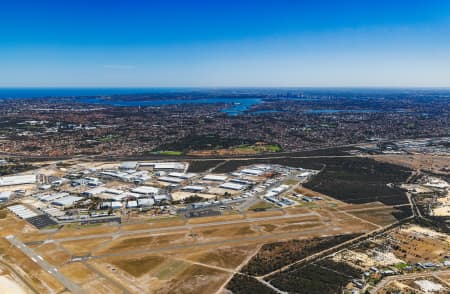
(225, 43)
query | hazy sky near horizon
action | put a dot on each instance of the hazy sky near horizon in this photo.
(224, 43)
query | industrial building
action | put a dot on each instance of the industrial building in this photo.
(146, 190)
(215, 178)
(17, 180)
(129, 165)
(193, 188)
(67, 201)
(171, 180)
(232, 186)
(184, 176)
(22, 211)
(164, 165)
(5, 196)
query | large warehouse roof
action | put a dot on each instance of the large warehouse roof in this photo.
(232, 186)
(145, 190)
(182, 175)
(219, 178)
(170, 180)
(22, 211)
(165, 165)
(17, 180)
(66, 201)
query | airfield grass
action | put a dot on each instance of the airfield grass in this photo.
(139, 266)
(83, 247)
(226, 231)
(299, 227)
(170, 269)
(74, 231)
(212, 219)
(382, 217)
(297, 210)
(153, 223)
(101, 286)
(268, 227)
(12, 225)
(195, 279)
(226, 257)
(267, 213)
(34, 236)
(77, 272)
(53, 254)
(261, 205)
(128, 243)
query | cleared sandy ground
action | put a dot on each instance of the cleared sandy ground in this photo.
(9, 286)
(428, 162)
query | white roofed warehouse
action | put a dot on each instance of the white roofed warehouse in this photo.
(232, 186)
(17, 180)
(67, 201)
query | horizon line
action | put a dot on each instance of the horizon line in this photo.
(222, 87)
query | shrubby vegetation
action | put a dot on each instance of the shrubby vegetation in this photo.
(198, 166)
(240, 284)
(360, 180)
(276, 255)
(8, 169)
(329, 277)
(204, 142)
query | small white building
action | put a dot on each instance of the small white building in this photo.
(5, 196)
(146, 202)
(132, 204)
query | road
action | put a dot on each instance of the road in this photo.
(53, 271)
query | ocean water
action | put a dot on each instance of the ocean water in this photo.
(73, 92)
(85, 95)
(239, 105)
(330, 111)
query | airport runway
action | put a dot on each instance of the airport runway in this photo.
(44, 265)
(184, 227)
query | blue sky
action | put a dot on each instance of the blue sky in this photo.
(224, 43)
